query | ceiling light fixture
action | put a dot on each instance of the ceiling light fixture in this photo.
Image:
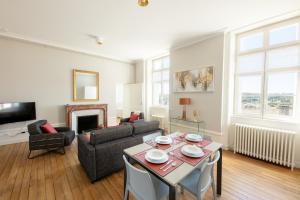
(143, 3)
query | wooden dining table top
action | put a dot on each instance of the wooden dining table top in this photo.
(174, 177)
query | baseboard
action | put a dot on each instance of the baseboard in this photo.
(297, 164)
(5, 139)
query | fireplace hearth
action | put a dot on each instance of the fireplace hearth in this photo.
(87, 123)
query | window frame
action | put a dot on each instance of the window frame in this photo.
(161, 81)
(266, 72)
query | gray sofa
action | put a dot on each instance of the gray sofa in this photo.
(100, 153)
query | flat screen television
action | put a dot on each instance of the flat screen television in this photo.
(17, 112)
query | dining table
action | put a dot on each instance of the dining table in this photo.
(185, 165)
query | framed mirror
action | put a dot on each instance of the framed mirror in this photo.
(85, 85)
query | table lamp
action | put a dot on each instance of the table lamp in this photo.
(184, 102)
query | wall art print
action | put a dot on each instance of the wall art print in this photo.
(196, 80)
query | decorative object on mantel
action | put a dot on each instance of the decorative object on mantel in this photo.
(72, 108)
(197, 80)
(184, 102)
(85, 85)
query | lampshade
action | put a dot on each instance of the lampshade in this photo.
(143, 3)
(185, 101)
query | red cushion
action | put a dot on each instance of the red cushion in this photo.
(48, 128)
(134, 117)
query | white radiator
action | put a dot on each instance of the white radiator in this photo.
(273, 145)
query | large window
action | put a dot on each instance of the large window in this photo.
(160, 81)
(267, 71)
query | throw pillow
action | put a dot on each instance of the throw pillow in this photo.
(134, 117)
(48, 128)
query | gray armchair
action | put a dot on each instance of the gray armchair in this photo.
(43, 141)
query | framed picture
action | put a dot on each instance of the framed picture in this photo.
(196, 80)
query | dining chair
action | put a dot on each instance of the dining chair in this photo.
(200, 180)
(143, 185)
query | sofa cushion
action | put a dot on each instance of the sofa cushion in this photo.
(48, 128)
(69, 137)
(143, 127)
(134, 117)
(109, 155)
(109, 134)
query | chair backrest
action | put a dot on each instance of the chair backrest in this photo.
(141, 115)
(35, 127)
(139, 182)
(207, 174)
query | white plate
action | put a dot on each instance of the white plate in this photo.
(163, 140)
(192, 151)
(193, 137)
(156, 156)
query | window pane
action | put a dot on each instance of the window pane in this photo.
(251, 63)
(165, 75)
(285, 57)
(165, 88)
(284, 34)
(166, 63)
(251, 42)
(281, 93)
(249, 94)
(164, 99)
(156, 93)
(156, 76)
(157, 64)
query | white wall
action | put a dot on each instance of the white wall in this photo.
(31, 72)
(206, 53)
(139, 71)
(132, 99)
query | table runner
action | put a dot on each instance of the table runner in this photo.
(156, 167)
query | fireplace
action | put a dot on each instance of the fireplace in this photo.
(86, 123)
(73, 112)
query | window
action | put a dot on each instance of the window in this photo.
(160, 81)
(267, 71)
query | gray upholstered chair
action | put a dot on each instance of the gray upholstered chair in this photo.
(38, 140)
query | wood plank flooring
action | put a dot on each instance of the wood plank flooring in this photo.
(54, 176)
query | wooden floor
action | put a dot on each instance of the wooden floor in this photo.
(55, 176)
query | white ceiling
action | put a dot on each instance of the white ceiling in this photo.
(131, 32)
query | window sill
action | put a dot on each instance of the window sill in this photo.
(267, 120)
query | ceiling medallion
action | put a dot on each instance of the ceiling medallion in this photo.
(143, 3)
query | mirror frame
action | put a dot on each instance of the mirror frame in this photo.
(75, 71)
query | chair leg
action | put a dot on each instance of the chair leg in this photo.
(126, 194)
(28, 156)
(213, 189)
(181, 190)
(63, 150)
(200, 197)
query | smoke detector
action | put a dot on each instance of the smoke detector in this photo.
(99, 40)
